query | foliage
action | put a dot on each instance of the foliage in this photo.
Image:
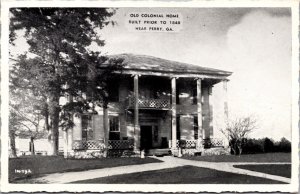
(24, 115)
(266, 145)
(207, 143)
(283, 146)
(59, 62)
(253, 146)
(236, 131)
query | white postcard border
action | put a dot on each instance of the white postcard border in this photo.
(6, 187)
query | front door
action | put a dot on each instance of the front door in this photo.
(146, 137)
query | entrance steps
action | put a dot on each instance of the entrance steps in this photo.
(158, 152)
(216, 151)
(203, 152)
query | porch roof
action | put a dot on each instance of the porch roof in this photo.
(145, 63)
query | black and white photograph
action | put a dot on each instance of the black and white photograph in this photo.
(118, 96)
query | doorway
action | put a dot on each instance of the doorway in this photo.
(146, 137)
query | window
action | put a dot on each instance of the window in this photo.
(87, 127)
(177, 94)
(196, 127)
(194, 95)
(114, 130)
(178, 127)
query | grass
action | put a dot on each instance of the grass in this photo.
(39, 165)
(278, 169)
(181, 175)
(260, 158)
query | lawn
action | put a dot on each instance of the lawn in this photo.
(278, 169)
(260, 158)
(33, 166)
(181, 175)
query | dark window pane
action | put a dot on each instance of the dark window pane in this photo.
(178, 127)
(113, 123)
(114, 135)
(195, 127)
(194, 95)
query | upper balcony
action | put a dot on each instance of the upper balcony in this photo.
(150, 103)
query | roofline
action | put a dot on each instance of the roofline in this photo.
(222, 73)
(173, 74)
(208, 71)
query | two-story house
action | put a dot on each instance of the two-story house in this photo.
(153, 104)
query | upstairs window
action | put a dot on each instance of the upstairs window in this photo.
(194, 93)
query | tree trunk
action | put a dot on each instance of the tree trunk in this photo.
(31, 144)
(12, 137)
(239, 146)
(54, 116)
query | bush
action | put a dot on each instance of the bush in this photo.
(253, 146)
(268, 145)
(284, 145)
(207, 143)
(265, 145)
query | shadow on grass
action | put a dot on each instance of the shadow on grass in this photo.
(35, 166)
(259, 158)
(273, 169)
(181, 175)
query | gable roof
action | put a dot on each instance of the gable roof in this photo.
(154, 64)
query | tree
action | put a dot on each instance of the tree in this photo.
(268, 145)
(237, 130)
(24, 115)
(284, 145)
(59, 62)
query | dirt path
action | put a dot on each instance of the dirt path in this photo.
(168, 162)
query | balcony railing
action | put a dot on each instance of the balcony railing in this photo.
(150, 103)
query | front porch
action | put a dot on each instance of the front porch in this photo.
(124, 148)
(149, 113)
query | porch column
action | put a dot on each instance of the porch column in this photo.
(174, 127)
(136, 113)
(70, 140)
(77, 133)
(211, 130)
(199, 113)
(65, 136)
(225, 101)
(226, 143)
(70, 131)
(105, 126)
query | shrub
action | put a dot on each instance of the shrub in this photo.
(265, 145)
(268, 145)
(284, 145)
(207, 143)
(252, 146)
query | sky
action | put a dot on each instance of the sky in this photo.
(253, 43)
